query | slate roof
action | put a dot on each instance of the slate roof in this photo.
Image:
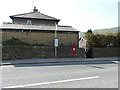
(37, 27)
(34, 15)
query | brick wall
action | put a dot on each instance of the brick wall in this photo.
(29, 52)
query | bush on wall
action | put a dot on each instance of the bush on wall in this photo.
(16, 42)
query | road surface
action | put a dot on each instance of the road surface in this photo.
(70, 75)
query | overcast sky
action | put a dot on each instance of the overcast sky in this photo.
(80, 14)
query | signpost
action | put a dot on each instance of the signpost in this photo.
(56, 40)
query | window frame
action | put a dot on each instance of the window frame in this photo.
(29, 22)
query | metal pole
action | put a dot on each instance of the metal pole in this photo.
(55, 38)
(85, 49)
(55, 51)
(55, 30)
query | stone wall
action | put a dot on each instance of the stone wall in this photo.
(29, 52)
(106, 52)
(65, 39)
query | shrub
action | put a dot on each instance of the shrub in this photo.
(38, 45)
(14, 41)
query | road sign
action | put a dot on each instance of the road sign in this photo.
(56, 42)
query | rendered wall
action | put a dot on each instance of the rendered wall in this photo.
(34, 22)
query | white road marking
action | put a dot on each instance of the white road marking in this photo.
(53, 82)
(115, 61)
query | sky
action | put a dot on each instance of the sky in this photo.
(80, 14)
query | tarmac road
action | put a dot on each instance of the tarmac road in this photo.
(70, 75)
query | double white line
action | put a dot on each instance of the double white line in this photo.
(53, 82)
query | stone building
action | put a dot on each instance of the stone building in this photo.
(82, 42)
(37, 28)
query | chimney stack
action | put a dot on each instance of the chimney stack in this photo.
(35, 9)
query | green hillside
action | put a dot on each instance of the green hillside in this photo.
(108, 30)
(82, 34)
(103, 31)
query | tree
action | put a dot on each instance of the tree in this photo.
(102, 40)
(89, 31)
(116, 40)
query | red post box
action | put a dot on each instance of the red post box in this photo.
(74, 49)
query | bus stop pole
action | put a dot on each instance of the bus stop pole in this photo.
(55, 38)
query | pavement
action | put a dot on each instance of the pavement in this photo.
(57, 60)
